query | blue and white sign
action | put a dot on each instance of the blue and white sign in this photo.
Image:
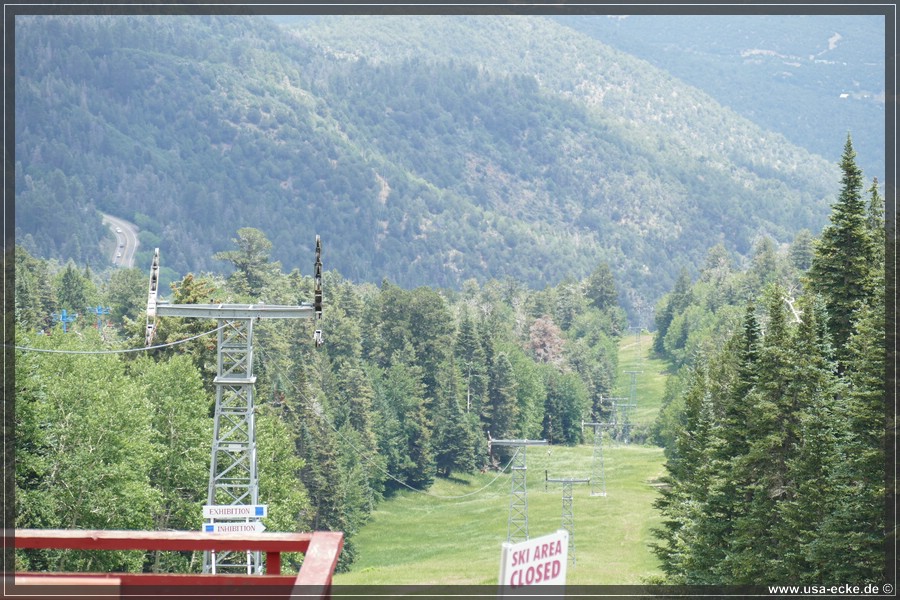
(235, 511)
(250, 527)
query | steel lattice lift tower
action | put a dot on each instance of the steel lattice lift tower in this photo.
(632, 397)
(517, 523)
(233, 479)
(568, 513)
(597, 469)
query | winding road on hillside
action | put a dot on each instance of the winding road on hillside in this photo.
(126, 240)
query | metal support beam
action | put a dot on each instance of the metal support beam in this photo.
(598, 473)
(568, 512)
(233, 478)
(517, 522)
(632, 403)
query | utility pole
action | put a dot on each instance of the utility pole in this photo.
(233, 479)
(568, 513)
(517, 522)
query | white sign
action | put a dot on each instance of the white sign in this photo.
(538, 561)
(235, 511)
(254, 527)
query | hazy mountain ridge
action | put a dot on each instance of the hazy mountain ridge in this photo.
(765, 66)
(426, 170)
(629, 91)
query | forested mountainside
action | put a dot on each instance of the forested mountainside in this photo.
(405, 389)
(812, 78)
(425, 150)
(773, 421)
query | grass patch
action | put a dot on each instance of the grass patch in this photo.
(453, 534)
(650, 381)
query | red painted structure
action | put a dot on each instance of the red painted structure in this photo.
(321, 550)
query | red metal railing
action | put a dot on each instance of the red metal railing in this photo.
(321, 550)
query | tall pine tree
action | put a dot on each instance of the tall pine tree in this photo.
(841, 268)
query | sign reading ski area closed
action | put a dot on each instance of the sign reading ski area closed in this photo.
(538, 561)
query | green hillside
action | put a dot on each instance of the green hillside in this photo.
(453, 534)
(424, 150)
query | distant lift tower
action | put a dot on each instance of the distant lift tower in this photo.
(517, 523)
(233, 477)
(615, 404)
(568, 514)
(598, 475)
(632, 403)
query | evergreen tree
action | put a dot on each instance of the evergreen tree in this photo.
(502, 398)
(802, 250)
(812, 486)
(35, 297)
(841, 268)
(404, 393)
(470, 357)
(253, 271)
(487, 409)
(455, 439)
(72, 290)
(727, 490)
(764, 267)
(771, 432)
(601, 289)
(669, 307)
(852, 540)
(570, 303)
(682, 501)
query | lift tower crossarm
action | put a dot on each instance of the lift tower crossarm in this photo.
(518, 442)
(228, 312)
(565, 479)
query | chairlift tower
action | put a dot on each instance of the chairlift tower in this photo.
(637, 340)
(568, 513)
(615, 404)
(632, 403)
(233, 479)
(597, 470)
(517, 523)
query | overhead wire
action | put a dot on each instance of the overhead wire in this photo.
(359, 452)
(377, 466)
(121, 350)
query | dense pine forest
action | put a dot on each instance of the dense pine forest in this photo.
(773, 423)
(774, 426)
